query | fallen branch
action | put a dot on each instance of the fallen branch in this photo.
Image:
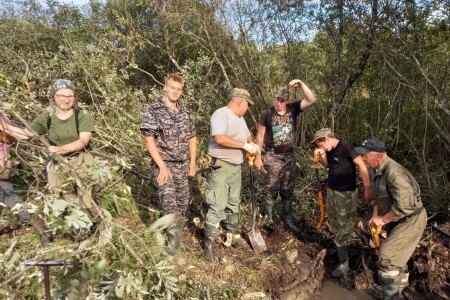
(132, 252)
(318, 260)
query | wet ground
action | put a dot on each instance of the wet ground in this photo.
(331, 290)
(296, 266)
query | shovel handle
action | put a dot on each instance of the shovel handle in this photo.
(376, 230)
(250, 158)
(316, 160)
(316, 167)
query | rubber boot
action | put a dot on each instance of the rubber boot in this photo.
(342, 266)
(231, 220)
(390, 284)
(39, 225)
(287, 198)
(268, 202)
(173, 233)
(404, 283)
(210, 233)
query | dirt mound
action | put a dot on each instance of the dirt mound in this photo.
(295, 264)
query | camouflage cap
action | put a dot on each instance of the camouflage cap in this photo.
(282, 93)
(371, 145)
(321, 133)
(241, 93)
(59, 84)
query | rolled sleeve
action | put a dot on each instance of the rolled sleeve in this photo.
(149, 125)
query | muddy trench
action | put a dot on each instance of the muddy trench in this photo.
(296, 265)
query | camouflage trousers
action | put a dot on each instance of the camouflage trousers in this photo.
(85, 192)
(174, 194)
(282, 172)
(9, 198)
(341, 211)
(223, 194)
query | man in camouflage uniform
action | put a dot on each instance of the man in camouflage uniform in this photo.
(229, 140)
(341, 159)
(170, 139)
(277, 129)
(397, 206)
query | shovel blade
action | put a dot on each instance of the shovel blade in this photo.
(257, 241)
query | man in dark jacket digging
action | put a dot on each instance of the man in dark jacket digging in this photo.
(398, 207)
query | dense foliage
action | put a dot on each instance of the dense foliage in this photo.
(378, 69)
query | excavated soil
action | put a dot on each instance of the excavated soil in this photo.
(295, 265)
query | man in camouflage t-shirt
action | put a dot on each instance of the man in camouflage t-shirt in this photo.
(170, 139)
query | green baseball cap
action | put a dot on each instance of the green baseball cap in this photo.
(241, 93)
(282, 93)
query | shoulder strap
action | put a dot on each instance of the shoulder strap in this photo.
(49, 121)
(77, 121)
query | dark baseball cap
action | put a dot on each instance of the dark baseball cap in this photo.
(371, 145)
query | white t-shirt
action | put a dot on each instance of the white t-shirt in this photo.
(224, 121)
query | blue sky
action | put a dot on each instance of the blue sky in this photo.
(75, 2)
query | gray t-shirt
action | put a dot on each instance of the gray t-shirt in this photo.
(224, 121)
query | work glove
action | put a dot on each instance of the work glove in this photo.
(259, 149)
(318, 150)
(251, 148)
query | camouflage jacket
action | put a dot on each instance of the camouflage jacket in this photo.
(394, 188)
(172, 130)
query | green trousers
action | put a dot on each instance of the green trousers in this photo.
(223, 193)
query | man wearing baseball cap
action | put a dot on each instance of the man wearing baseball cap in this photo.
(398, 207)
(277, 130)
(230, 139)
(341, 160)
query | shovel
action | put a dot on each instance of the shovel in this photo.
(319, 189)
(376, 230)
(255, 236)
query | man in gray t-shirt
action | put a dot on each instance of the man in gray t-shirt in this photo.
(230, 138)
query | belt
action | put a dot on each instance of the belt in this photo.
(215, 159)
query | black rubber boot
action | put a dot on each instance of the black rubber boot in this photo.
(173, 233)
(268, 202)
(39, 225)
(287, 198)
(231, 221)
(342, 266)
(210, 233)
(390, 286)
